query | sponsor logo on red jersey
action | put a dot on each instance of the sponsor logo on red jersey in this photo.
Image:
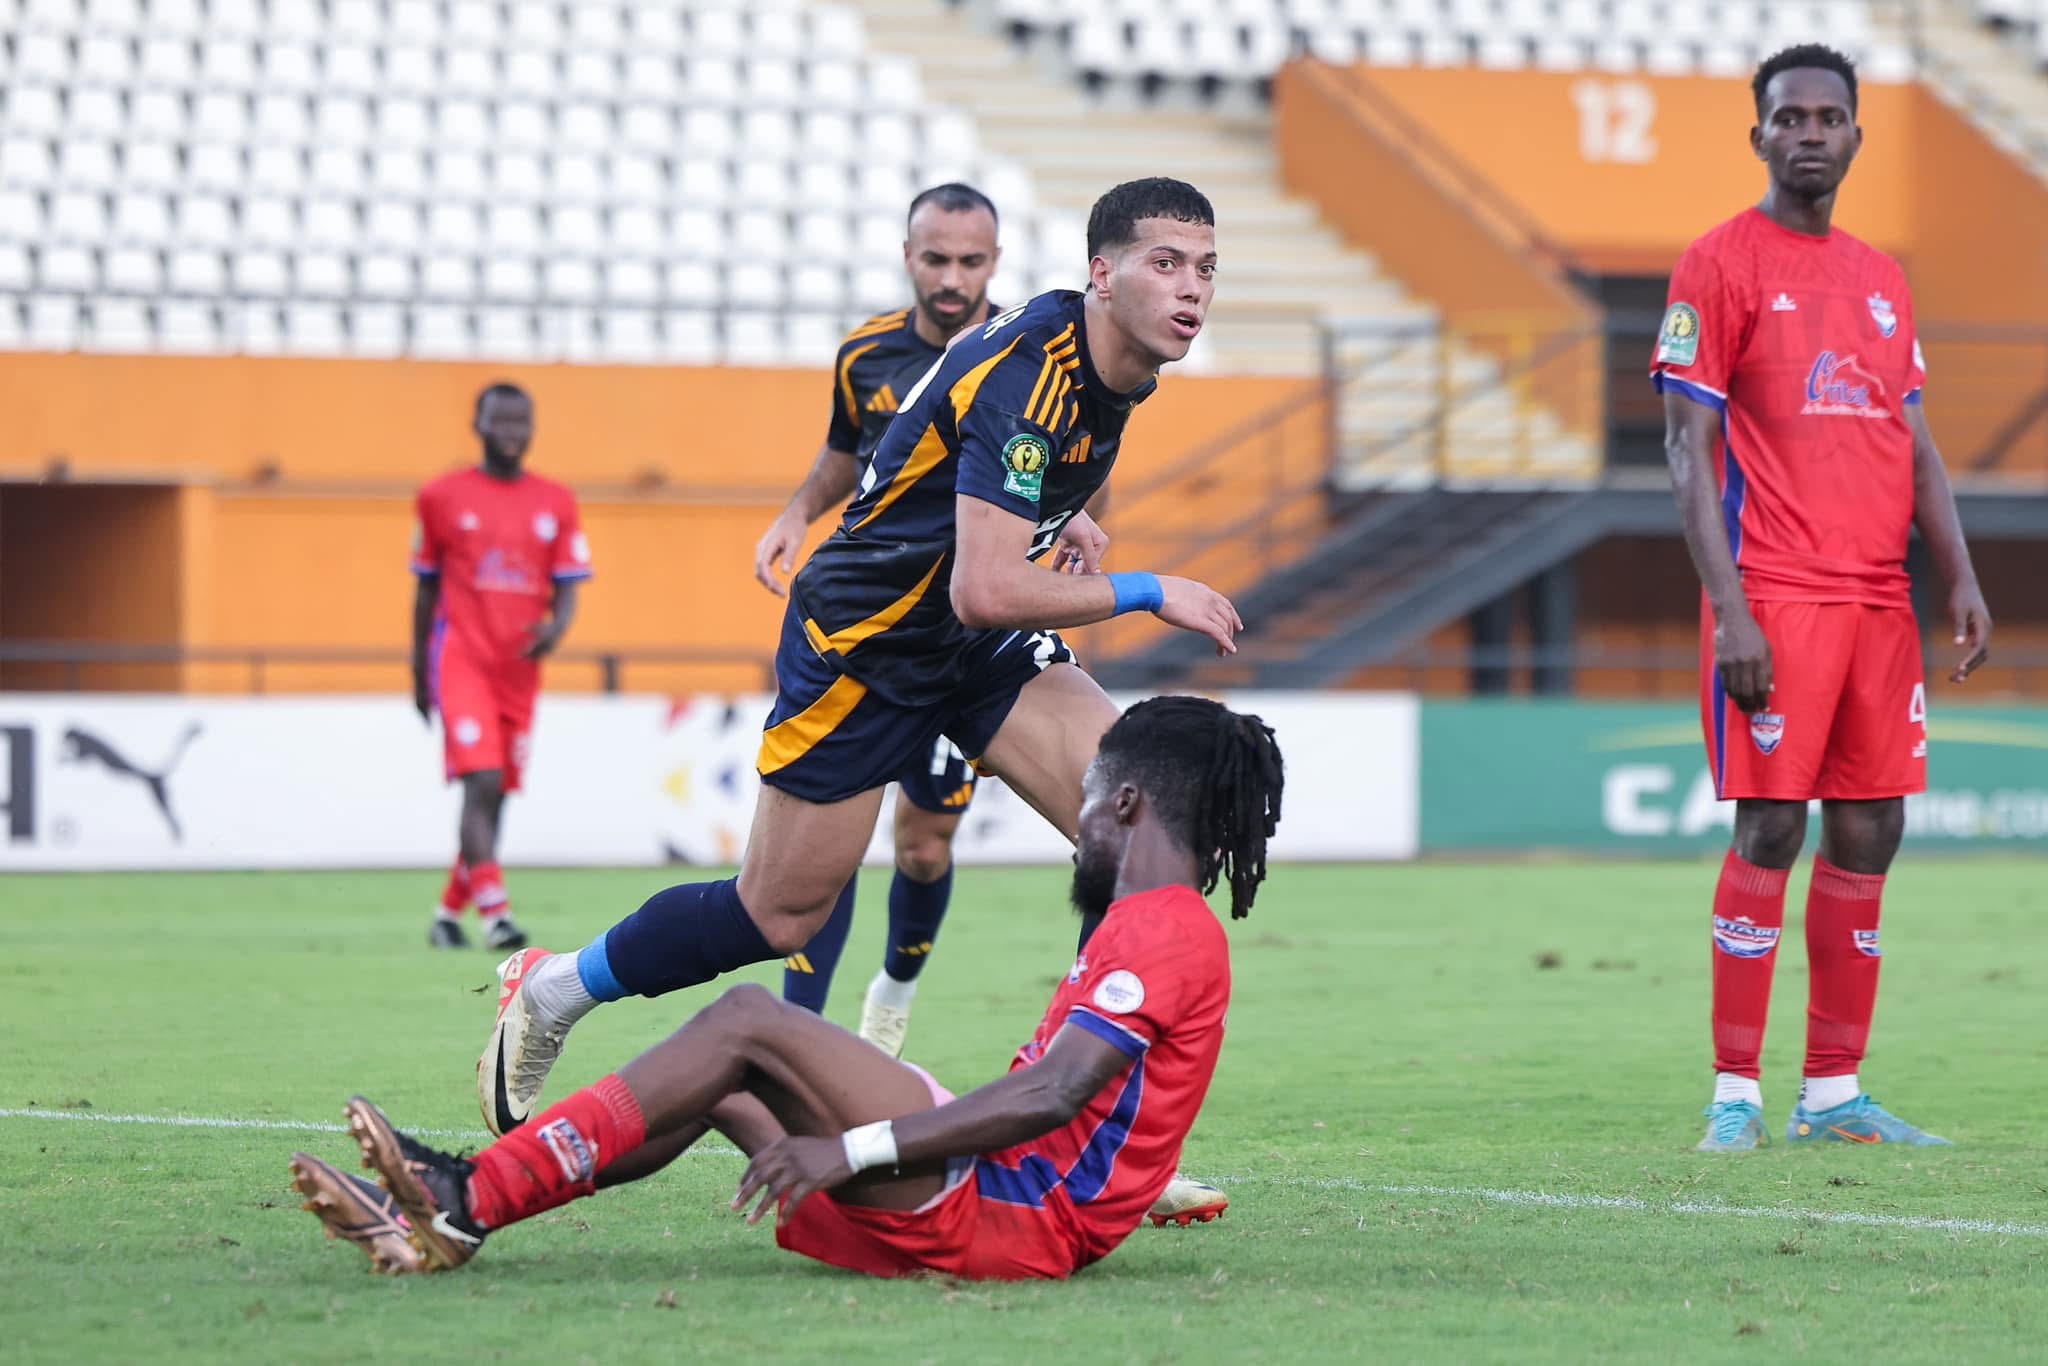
(1838, 386)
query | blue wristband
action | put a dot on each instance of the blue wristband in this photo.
(1137, 592)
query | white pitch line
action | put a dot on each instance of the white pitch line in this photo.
(1531, 1199)
(1635, 1205)
(303, 1126)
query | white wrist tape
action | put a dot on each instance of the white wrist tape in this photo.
(871, 1145)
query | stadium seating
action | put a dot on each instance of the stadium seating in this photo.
(1214, 44)
(503, 178)
(2028, 18)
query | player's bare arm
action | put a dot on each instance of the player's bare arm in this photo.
(996, 586)
(1015, 1108)
(1741, 653)
(829, 484)
(426, 601)
(1934, 516)
(548, 632)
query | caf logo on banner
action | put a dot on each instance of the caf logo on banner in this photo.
(1767, 728)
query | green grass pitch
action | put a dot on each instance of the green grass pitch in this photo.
(1454, 1113)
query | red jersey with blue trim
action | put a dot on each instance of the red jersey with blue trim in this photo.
(1806, 346)
(1155, 981)
(498, 547)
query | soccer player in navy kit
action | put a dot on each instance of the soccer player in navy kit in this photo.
(926, 614)
(949, 254)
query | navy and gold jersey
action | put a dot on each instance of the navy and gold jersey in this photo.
(1013, 415)
(878, 363)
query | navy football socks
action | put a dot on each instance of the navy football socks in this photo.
(915, 912)
(807, 973)
(680, 937)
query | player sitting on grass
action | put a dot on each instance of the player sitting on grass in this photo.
(874, 1167)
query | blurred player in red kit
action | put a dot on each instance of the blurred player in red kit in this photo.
(1790, 345)
(498, 554)
(874, 1167)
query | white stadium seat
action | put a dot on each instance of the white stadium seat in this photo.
(594, 181)
(133, 270)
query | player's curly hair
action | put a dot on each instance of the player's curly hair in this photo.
(1814, 56)
(1214, 778)
(1113, 222)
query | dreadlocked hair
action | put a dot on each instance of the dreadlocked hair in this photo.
(1214, 778)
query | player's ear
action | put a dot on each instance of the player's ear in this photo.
(1124, 803)
(1100, 268)
(1756, 142)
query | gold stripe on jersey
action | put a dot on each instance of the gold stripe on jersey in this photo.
(1063, 364)
(1045, 374)
(880, 323)
(846, 380)
(931, 447)
(847, 637)
(785, 743)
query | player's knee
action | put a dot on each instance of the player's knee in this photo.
(745, 1009)
(925, 856)
(486, 787)
(788, 933)
(1769, 834)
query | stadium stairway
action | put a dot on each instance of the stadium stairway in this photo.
(1995, 75)
(1386, 571)
(1285, 269)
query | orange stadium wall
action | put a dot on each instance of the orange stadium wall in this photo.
(1624, 171)
(1620, 173)
(283, 511)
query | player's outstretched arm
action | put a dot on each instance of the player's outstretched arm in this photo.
(1741, 653)
(996, 586)
(426, 600)
(1015, 1108)
(832, 479)
(1934, 514)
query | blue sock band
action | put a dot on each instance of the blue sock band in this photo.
(596, 971)
(807, 973)
(683, 936)
(1137, 591)
(915, 912)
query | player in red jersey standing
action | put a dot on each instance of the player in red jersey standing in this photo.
(499, 554)
(875, 1167)
(1791, 345)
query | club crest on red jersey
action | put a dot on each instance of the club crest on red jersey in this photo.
(1881, 313)
(1767, 728)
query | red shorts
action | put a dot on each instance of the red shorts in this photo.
(1847, 716)
(955, 1233)
(486, 717)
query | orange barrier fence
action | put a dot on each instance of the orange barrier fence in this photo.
(274, 508)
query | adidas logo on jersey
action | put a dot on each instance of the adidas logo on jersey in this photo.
(1783, 304)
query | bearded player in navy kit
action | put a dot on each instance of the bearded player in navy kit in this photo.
(926, 614)
(949, 254)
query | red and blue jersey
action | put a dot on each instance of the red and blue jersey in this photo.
(498, 547)
(1807, 348)
(1155, 982)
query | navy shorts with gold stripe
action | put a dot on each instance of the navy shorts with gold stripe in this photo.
(829, 737)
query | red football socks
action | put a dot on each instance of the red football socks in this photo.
(455, 896)
(555, 1157)
(1749, 915)
(1841, 948)
(487, 882)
